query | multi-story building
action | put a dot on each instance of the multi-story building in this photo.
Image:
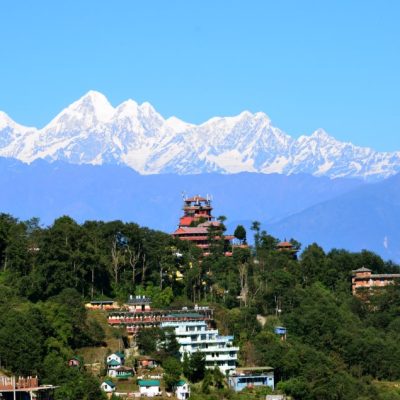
(363, 278)
(194, 336)
(138, 314)
(198, 226)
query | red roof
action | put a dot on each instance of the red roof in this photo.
(192, 229)
(179, 230)
(209, 223)
(284, 244)
(196, 198)
(193, 238)
(185, 221)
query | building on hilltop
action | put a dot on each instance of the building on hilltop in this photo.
(194, 336)
(364, 279)
(287, 247)
(198, 226)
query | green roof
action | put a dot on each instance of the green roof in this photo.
(120, 354)
(113, 363)
(109, 383)
(148, 382)
(181, 383)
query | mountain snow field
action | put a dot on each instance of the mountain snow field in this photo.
(92, 131)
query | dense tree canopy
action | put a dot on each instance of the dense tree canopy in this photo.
(338, 346)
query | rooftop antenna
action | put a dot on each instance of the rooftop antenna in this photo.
(183, 193)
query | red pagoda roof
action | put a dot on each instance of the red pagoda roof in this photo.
(196, 198)
(284, 244)
(191, 229)
(185, 220)
(208, 223)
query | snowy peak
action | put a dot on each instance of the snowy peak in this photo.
(320, 134)
(177, 124)
(5, 120)
(96, 103)
(91, 109)
(128, 108)
(92, 131)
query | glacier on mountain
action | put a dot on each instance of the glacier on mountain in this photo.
(92, 131)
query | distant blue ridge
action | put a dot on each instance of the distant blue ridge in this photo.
(344, 213)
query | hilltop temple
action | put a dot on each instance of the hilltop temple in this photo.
(197, 223)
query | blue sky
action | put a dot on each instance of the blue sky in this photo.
(307, 64)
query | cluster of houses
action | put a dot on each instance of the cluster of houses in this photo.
(151, 388)
(148, 386)
(195, 332)
(193, 327)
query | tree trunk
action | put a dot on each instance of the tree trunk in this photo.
(134, 257)
(115, 260)
(144, 268)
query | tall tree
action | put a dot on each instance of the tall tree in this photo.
(240, 233)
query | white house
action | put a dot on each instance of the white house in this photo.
(112, 367)
(149, 387)
(182, 390)
(108, 387)
(118, 357)
(194, 336)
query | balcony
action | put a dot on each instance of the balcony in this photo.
(221, 357)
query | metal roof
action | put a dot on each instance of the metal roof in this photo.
(148, 382)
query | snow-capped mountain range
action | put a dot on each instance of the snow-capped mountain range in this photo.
(92, 131)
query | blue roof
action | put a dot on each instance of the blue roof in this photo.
(109, 383)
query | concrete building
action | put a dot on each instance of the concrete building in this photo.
(107, 386)
(149, 387)
(182, 390)
(13, 387)
(196, 336)
(138, 303)
(251, 377)
(364, 279)
(141, 315)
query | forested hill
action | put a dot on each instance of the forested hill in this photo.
(338, 346)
